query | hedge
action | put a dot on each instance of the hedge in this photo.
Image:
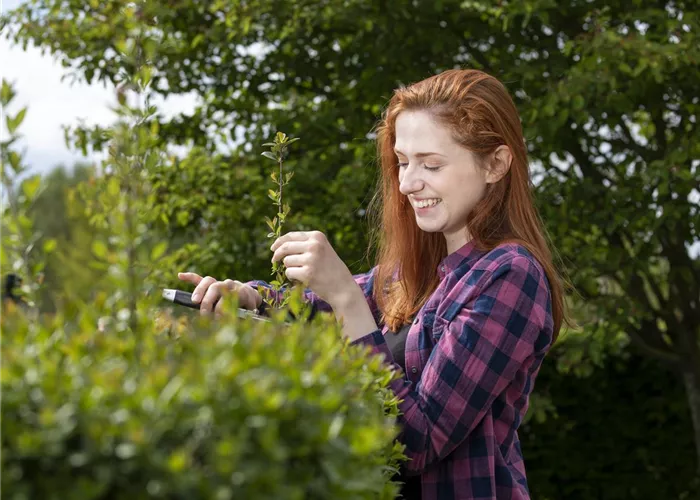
(220, 410)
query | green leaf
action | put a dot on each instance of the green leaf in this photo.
(50, 245)
(150, 46)
(123, 46)
(24, 222)
(15, 160)
(99, 249)
(11, 124)
(31, 186)
(145, 75)
(113, 187)
(183, 217)
(6, 93)
(269, 155)
(159, 250)
(19, 117)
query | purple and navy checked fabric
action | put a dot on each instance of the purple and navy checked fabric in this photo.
(472, 356)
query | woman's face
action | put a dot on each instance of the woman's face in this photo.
(441, 179)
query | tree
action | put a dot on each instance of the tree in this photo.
(58, 215)
(607, 92)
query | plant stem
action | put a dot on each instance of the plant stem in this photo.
(279, 181)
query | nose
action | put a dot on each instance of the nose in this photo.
(409, 181)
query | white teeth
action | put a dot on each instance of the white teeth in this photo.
(428, 203)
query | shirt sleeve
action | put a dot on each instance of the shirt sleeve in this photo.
(364, 280)
(497, 340)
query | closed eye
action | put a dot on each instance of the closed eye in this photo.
(432, 169)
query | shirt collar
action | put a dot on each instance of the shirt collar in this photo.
(464, 254)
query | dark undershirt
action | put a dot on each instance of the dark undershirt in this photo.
(411, 489)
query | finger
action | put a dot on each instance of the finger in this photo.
(219, 309)
(249, 297)
(193, 278)
(231, 286)
(201, 288)
(300, 274)
(291, 236)
(212, 295)
(290, 248)
(296, 260)
(224, 287)
(317, 235)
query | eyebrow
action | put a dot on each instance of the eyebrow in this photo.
(419, 155)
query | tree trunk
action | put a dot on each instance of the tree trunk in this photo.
(691, 377)
(692, 388)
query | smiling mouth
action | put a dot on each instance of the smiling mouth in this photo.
(426, 206)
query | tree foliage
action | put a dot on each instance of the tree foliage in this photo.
(622, 433)
(607, 91)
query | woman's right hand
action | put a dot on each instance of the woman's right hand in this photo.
(208, 291)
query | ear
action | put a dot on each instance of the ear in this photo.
(500, 164)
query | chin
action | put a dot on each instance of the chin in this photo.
(432, 228)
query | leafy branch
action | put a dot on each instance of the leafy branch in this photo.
(277, 153)
(20, 259)
(119, 201)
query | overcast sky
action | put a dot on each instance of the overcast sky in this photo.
(53, 103)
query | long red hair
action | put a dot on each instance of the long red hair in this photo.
(482, 116)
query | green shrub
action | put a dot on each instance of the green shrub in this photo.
(180, 409)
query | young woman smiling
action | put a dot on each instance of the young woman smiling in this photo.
(464, 299)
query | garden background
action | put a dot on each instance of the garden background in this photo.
(609, 94)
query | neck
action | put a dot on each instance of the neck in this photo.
(456, 241)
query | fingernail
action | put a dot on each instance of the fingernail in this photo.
(195, 297)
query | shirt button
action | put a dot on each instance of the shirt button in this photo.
(415, 321)
(414, 369)
(442, 268)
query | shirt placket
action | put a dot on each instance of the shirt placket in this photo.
(414, 364)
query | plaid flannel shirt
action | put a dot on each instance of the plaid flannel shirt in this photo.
(472, 355)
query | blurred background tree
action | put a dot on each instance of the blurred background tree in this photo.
(60, 216)
(607, 92)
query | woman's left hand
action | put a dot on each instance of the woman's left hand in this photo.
(310, 259)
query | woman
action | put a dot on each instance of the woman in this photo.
(464, 299)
